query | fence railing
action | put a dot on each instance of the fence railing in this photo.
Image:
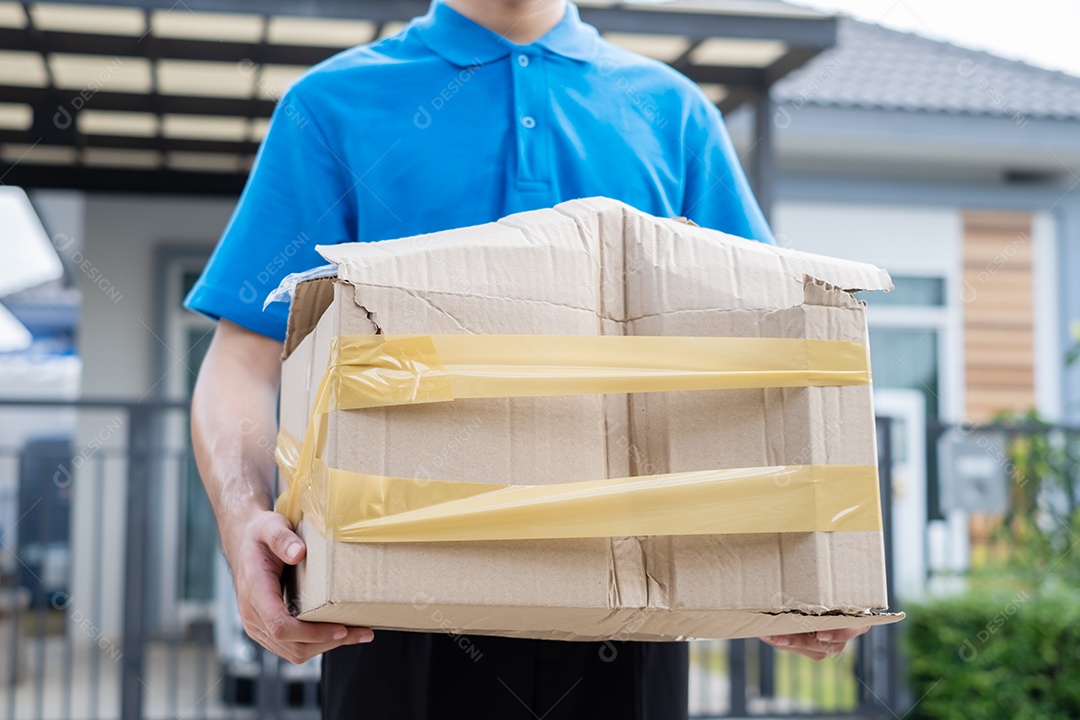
(115, 603)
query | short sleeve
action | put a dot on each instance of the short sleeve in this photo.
(717, 194)
(297, 196)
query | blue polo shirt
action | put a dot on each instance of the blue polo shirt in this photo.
(447, 124)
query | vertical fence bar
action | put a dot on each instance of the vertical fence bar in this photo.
(795, 667)
(140, 440)
(892, 651)
(97, 590)
(174, 645)
(737, 671)
(68, 648)
(863, 670)
(43, 528)
(15, 622)
(268, 686)
(879, 662)
(766, 670)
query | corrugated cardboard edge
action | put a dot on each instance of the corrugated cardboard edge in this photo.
(848, 275)
(595, 212)
(641, 624)
(310, 300)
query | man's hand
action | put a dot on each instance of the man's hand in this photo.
(261, 551)
(234, 431)
(816, 646)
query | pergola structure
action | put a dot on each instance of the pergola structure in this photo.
(174, 95)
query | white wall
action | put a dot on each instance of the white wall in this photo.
(905, 240)
(116, 337)
(117, 344)
(1049, 354)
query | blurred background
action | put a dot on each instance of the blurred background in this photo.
(126, 131)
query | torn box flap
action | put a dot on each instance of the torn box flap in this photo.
(598, 257)
(823, 294)
(310, 299)
(540, 256)
(491, 278)
(285, 291)
(847, 275)
(669, 266)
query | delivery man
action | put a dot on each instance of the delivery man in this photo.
(479, 109)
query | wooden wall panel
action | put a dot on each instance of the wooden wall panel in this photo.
(999, 320)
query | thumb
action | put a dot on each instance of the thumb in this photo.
(286, 544)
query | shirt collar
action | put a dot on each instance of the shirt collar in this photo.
(465, 43)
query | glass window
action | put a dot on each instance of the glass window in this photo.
(908, 358)
(911, 292)
(190, 334)
(188, 278)
(200, 529)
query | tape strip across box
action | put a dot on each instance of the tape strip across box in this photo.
(583, 423)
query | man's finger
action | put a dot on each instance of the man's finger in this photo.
(350, 636)
(301, 652)
(812, 653)
(298, 652)
(842, 635)
(805, 642)
(286, 544)
(264, 594)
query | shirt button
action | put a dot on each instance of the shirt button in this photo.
(523, 60)
(528, 122)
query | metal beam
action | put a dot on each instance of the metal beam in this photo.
(792, 60)
(807, 35)
(736, 96)
(124, 46)
(378, 11)
(803, 30)
(129, 142)
(124, 180)
(74, 100)
(118, 46)
(764, 160)
(721, 75)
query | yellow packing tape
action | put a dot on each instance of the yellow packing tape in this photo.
(381, 370)
(354, 507)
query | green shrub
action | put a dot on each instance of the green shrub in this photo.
(996, 657)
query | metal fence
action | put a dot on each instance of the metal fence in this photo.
(115, 603)
(746, 678)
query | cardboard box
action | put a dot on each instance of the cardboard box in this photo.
(589, 267)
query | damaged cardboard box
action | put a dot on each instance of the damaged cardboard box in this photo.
(588, 268)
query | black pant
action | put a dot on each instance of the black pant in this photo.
(420, 676)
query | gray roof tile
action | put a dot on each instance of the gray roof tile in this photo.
(875, 67)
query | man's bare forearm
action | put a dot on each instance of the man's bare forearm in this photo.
(233, 425)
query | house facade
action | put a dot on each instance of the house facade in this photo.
(952, 169)
(958, 172)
